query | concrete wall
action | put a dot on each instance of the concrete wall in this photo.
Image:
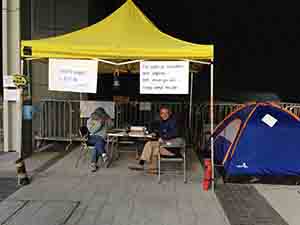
(55, 17)
(52, 18)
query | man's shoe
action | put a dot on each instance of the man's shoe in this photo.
(93, 167)
(136, 167)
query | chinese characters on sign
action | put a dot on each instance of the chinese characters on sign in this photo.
(73, 75)
(164, 77)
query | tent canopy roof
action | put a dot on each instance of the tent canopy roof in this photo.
(125, 34)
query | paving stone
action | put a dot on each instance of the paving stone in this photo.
(115, 196)
(8, 185)
(9, 209)
(243, 205)
(38, 212)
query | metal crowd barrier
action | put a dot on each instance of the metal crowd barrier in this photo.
(135, 113)
(60, 119)
(221, 110)
(292, 107)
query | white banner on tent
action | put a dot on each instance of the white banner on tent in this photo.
(73, 75)
(164, 77)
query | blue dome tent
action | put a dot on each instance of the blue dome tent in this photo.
(261, 140)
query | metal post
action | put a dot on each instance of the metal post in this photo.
(13, 31)
(12, 111)
(212, 123)
(4, 36)
(18, 118)
(29, 78)
(4, 73)
(191, 101)
(190, 117)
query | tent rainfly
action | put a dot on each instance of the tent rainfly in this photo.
(127, 34)
(259, 140)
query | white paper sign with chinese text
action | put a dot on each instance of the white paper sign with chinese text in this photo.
(73, 75)
(164, 77)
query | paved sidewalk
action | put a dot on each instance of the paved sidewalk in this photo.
(284, 199)
(34, 164)
(110, 196)
(244, 205)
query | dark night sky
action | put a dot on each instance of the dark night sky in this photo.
(255, 41)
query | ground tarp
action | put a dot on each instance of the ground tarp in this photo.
(125, 34)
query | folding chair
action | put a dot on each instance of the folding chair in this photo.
(85, 148)
(179, 157)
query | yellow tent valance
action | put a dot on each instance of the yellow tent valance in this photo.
(125, 34)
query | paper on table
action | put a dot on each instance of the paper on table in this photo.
(136, 134)
(137, 128)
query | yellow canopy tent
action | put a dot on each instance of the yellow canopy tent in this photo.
(125, 34)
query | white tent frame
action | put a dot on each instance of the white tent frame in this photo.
(211, 116)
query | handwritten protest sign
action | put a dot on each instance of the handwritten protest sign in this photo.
(73, 75)
(164, 77)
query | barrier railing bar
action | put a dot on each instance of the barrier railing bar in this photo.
(60, 119)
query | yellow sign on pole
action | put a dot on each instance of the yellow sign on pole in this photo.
(20, 80)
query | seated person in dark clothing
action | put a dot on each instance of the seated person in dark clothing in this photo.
(98, 124)
(167, 131)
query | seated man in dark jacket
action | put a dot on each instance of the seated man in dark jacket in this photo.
(167, 133)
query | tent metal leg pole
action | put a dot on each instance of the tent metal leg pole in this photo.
(29, 79)
(190, 133)
(191, 101)
(4, 50)
(212, 124)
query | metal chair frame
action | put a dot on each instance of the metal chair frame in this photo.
(182, 159)
(84, 147)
